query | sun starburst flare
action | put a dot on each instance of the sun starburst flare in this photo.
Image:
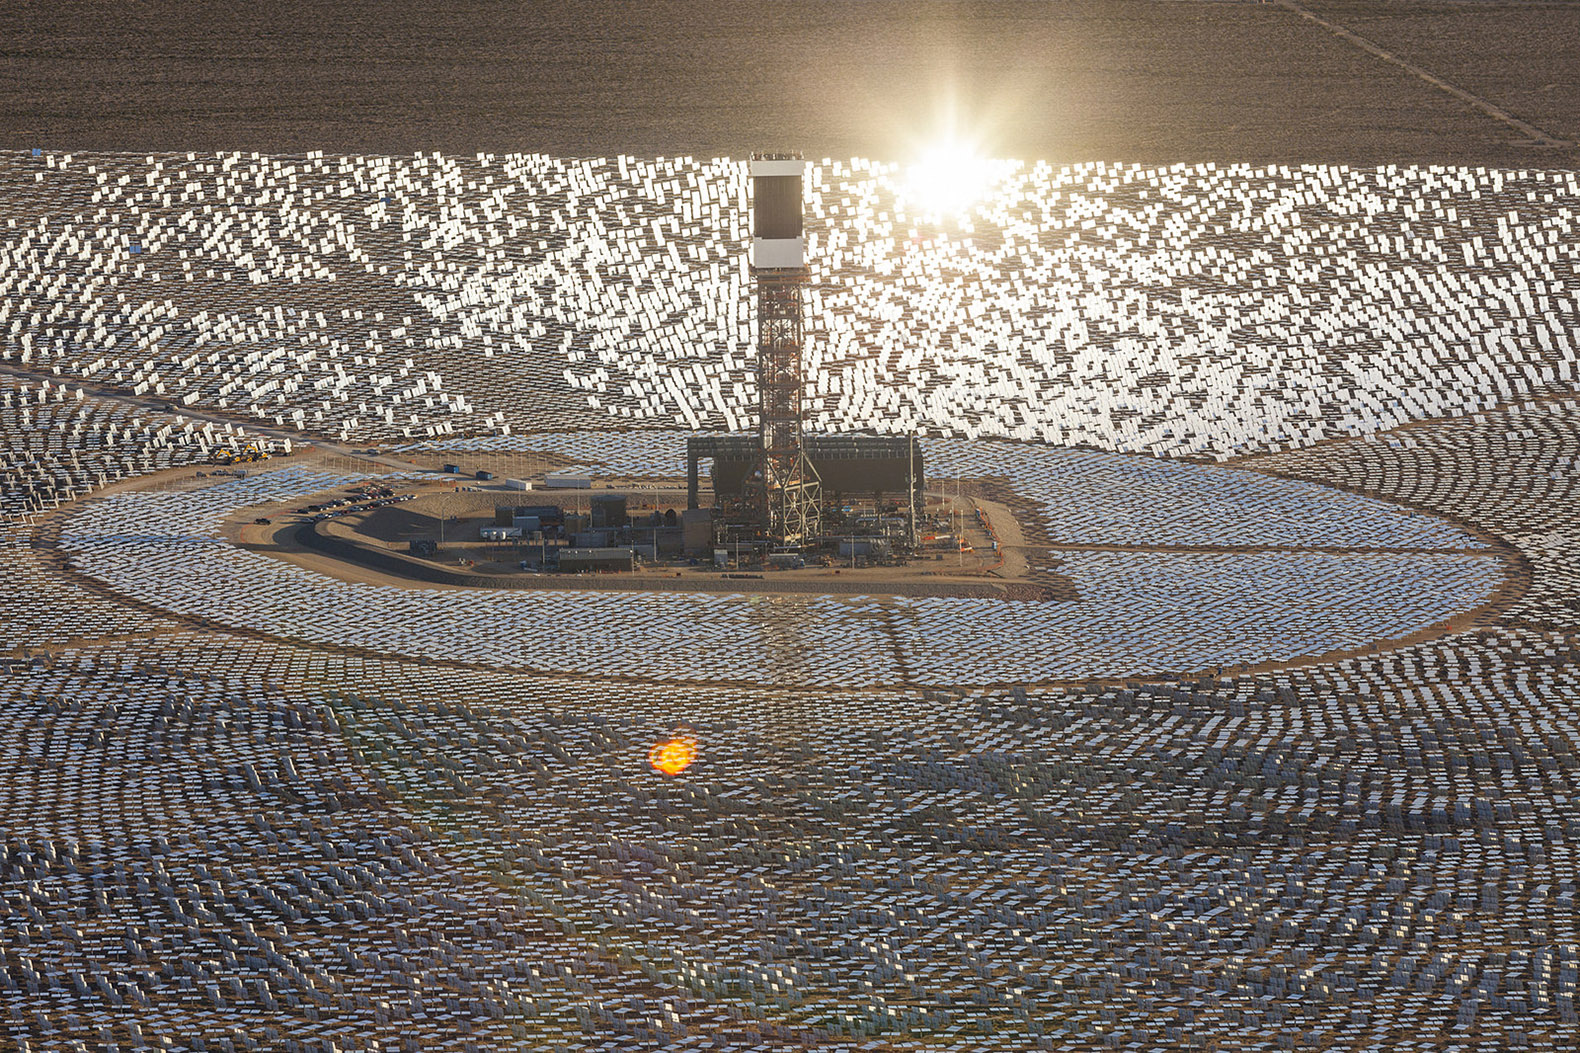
(673, 755)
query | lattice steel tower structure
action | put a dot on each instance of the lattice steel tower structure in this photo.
(784, 489)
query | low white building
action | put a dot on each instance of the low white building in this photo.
(578, 478)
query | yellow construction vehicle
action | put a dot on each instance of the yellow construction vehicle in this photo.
(244, 455)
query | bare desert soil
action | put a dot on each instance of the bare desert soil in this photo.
(1521, 57)
(1082, 79)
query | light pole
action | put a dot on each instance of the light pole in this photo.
(444, 510)
(960, 550)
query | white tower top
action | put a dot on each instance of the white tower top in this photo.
(777, 239)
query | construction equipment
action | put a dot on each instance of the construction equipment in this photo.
(245, 455)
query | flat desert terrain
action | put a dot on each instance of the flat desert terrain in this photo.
(1115, 80)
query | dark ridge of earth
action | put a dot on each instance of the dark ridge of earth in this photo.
(1127, 80)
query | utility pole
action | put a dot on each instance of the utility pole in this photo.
(910, 488)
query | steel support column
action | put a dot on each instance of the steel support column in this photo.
(786, 487)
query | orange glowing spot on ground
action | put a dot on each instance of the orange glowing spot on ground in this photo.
(673, 756)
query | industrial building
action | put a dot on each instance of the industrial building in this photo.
(866, 470)
(583, 560)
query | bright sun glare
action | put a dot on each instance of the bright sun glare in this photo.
(948, 180)
(673, 755)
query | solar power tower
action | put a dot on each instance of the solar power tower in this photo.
(784, 489)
